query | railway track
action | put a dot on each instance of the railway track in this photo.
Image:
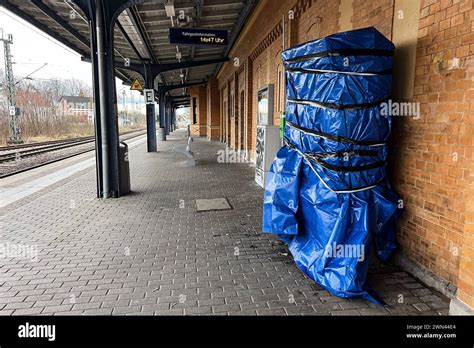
(36, 150)
(13, 158)
(46, 143)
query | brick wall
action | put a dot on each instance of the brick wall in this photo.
(213, 109)
(431, 157)
(253, 72)
(373, 13)
(319, 20)
(198, 96)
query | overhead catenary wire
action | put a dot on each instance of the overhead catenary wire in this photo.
(27, 25)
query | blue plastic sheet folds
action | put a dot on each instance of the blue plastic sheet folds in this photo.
(327, 195)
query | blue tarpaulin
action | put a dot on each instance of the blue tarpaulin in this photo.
(327, 195)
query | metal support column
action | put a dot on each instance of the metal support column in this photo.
(162, 132)
(101, 16)
(107, 101)
(97, 118)
(150, 112)
(167, 115)
(172, 118)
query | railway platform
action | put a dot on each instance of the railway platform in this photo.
(66, 252)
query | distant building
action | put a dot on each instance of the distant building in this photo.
(77, 106)
(3, 101)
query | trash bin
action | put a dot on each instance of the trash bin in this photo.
(124, 168)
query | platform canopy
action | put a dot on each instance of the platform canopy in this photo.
(142, 32)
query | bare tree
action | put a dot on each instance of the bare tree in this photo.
(38, 101)
(76, 87)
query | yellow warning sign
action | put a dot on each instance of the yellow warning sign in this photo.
(136, 86)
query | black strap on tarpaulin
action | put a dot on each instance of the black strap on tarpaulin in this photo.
(334, 137)
(338, 154)
(348, 190)
(322, 71)
(338, 106)
(343, 52)
(317, 158)
(348, 169)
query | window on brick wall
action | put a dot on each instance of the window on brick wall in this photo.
(281, 89)
(194, 110)
(232, 105)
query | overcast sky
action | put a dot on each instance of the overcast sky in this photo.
(32, 48)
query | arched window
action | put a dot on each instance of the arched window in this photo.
(280, 104)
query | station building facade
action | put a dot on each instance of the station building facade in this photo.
(431, 165)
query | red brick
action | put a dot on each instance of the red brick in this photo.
(427, 21)
(450, 33)
(435, 8)
(425, 11)
(446, 3)
(457, 20)
(443, 25)
(465, 5)
(468, 39)
(452, 11)
(463, 51)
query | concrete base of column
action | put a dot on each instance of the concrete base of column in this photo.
(161, 134)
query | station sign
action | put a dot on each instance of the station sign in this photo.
(149, 96)
(198, 37)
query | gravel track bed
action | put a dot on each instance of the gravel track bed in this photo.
(37, 160)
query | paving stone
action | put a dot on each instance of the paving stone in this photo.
(271, 311)
(422, 307)
(28, 311)
(352, 305)
(204, 310)
(113, 304)
(225, 308)
(143, 301)
(245, 313)
(439, 305)
(68, 313)
(98, 311)
(48, 303)
(13, 299)
(299, 310)
(19, 305)
(156, 307)
(137, 255)
(56, 309)
(170, 312)
(127, 310)
(212, 302)
(374, 311)
(84, 306)
(280, 304)
(255, 305)
(346, 312)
